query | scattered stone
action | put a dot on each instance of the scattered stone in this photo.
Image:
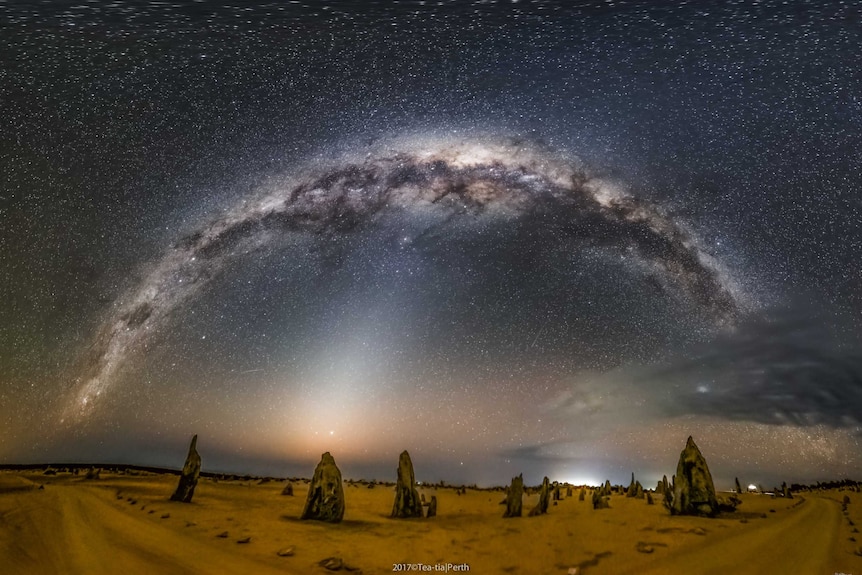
(190, 523)
(286, 552)
(165, 515)
(694, 491)
(649, 500)
(583, 494)
(743, 520)
(223, 535)
(432, 507)
(569, 491)
(738, 486)
(244, 540)
(644, 547)
(189, 477)
(331, 563)
(513, 497)
(698, 531)
(325, 500)
(93, 473)
(288, 489)
(407, 503)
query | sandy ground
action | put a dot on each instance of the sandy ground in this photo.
(125, 524)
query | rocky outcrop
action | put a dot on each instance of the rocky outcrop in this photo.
(544, 499)
(738, 486)
(407, 502)
(288, 489)
(635, 489)
(325, 501)
(631, 490)
(189, 476)
(693, 491)
(513, 497)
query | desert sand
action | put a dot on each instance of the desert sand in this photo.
(126, 524)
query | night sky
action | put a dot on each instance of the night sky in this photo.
(509, 237)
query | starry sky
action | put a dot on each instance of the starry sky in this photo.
(538, 237)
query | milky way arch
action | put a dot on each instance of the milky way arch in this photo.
(503, 179)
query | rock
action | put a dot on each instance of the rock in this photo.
(165, 515)
(325, 500)
(786, 491)
(694, 491)
(288, 489)
(331, 563)
(286, 552)
(667, 493)
(513, 497)
(223, 535)
(601, 501)
(244, 540)
(557, 494)
(189, 477)
(631, 490)
(432, 507)
(583, 494)
(569, 491)
(738, 486)
(544, 499)
(93, 473)
(407, 502)
(644, 547)
(649, 499)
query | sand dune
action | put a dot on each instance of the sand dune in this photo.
(126, 524)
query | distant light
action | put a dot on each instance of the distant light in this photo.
(752, 487)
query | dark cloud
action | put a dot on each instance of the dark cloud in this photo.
(784, 368)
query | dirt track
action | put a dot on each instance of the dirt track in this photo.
(73, 529)
(803, 541)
